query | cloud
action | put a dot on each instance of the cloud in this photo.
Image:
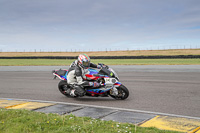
(97, 24)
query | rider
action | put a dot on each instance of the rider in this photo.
(76, 73)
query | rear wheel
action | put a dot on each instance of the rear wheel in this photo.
(63, 87)
(123, 93)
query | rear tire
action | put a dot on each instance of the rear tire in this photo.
(63, 86)
(123, 93)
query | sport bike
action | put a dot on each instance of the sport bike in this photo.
(106, 76)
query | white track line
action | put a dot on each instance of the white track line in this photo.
(120, 109)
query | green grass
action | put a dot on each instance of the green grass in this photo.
(24, 121)
(63, 62)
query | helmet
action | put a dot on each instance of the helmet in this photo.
(84, 60)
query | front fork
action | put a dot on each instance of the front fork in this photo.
(114, 90)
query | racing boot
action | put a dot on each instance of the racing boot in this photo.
(70, 92)
(78, 91)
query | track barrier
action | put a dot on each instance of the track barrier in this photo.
(108, 57)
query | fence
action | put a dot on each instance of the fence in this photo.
(107, 57)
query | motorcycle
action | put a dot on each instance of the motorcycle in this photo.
(106, 76)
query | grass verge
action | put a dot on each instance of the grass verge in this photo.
(19, 121)
(63, 62)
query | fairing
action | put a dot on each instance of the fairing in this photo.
(92, 74)
(62, 77)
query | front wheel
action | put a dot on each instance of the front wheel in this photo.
(123, 93)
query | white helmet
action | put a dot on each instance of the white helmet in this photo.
(84, 60)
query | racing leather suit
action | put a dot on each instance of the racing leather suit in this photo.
(75, 78)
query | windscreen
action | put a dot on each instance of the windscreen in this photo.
(107, 72)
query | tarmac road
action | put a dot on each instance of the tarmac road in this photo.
(165, 89)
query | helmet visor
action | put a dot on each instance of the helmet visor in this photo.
(86, 63)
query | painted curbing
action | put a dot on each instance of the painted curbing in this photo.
(140, 118)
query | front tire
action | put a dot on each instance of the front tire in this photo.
(123, 93)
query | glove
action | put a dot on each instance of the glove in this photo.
(99, 66)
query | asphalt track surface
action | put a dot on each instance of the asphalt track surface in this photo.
(164, 89)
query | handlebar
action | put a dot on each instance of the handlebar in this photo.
(103, 65)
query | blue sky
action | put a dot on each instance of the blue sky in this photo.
(66, 25)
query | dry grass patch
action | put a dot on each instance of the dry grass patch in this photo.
(108, 53)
